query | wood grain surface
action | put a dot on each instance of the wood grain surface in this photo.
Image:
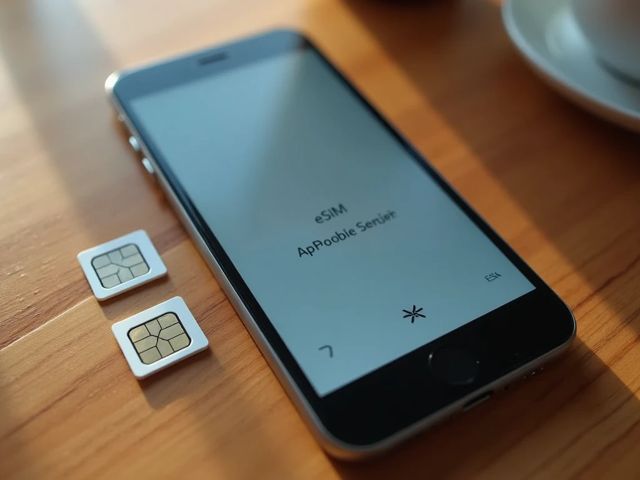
(560, 185)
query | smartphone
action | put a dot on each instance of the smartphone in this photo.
(381, 300)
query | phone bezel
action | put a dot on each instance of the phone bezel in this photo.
(406, 392)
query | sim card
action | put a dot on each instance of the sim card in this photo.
(159, 336)
(121, 264)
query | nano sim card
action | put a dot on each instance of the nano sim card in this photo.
(159, 336)
(121, 264)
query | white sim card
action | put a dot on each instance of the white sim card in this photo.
(121, 264)
(159, 336)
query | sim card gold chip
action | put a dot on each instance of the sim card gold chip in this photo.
(120, 265)
(159, 338)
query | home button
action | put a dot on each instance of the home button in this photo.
(455, 366)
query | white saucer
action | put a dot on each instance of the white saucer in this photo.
(549, 38)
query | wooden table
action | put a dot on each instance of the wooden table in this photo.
(560, 185)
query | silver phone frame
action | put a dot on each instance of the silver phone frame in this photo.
(333, 445)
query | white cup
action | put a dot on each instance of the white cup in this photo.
(613, 30)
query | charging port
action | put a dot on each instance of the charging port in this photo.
(477, 401)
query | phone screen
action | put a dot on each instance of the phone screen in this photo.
(351, 248)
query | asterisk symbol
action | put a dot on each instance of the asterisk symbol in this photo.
(414, 313)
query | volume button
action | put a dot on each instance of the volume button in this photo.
(134, 144)
(148, 166)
